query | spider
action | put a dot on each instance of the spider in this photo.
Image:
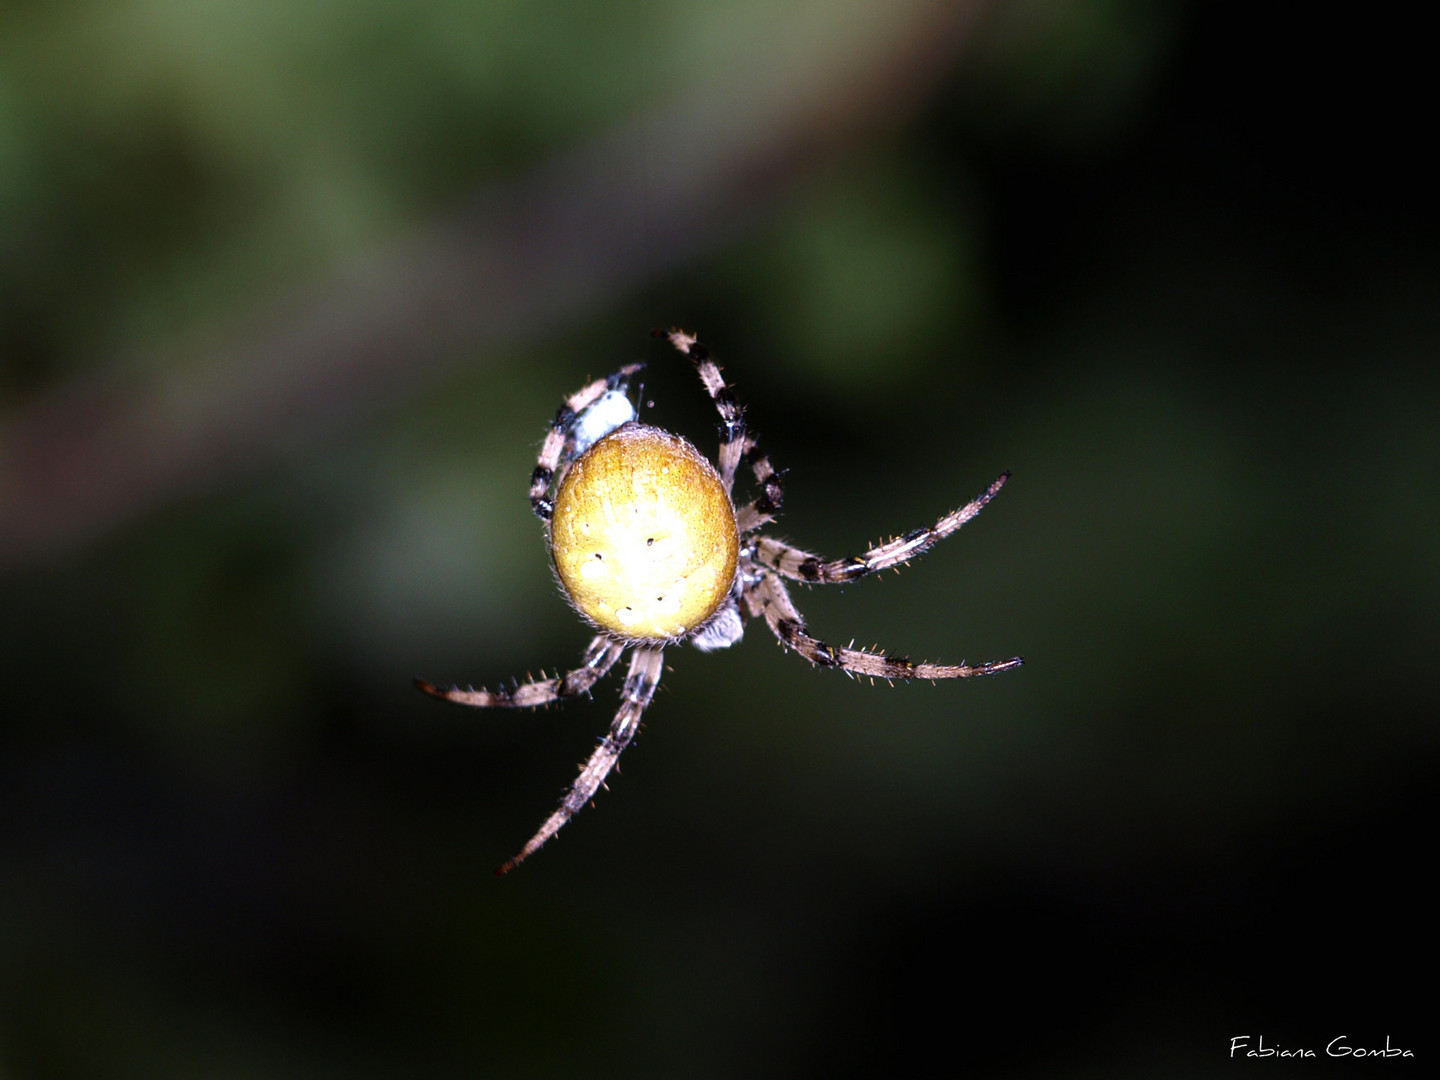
(651, 550)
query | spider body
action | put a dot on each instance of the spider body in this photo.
(649, 547)
(643, 535)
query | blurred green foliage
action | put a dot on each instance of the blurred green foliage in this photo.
(1197, 325)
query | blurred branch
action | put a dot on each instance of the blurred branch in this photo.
(530, 254)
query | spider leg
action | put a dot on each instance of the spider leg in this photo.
(773, 599)
(640, 686)
(732, 414)
(763, 508)
(599, 658)
(736, 444)
(798, 565)
(560, 440)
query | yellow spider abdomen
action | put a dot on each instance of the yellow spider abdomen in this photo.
(643, 535)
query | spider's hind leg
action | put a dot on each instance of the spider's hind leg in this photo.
(640, 683)
(599, 658)
(772, 599)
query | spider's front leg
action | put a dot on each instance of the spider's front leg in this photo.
(640, 685)
(798, 565)
(771, 599)
(600, 657)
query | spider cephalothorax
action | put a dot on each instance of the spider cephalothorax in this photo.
(650, 548)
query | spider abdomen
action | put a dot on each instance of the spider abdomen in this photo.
(643, 535)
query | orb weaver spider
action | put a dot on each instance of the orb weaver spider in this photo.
(651, 550)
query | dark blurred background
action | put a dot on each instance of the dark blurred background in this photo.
(287, 297)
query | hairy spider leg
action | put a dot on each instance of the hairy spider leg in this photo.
(771, 599)
(732, 414)
(764, 507)
(559, 442)
(600, 657)
(736, 444)
(798, 565)
(640, 685)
